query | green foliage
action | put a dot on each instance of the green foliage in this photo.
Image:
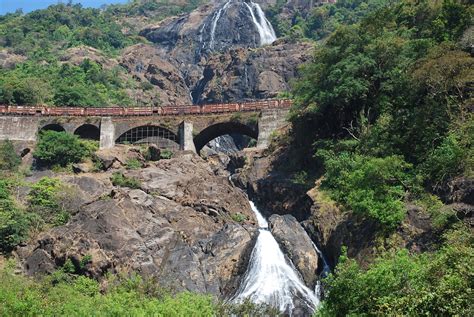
(47, 198)
(62, 84)
(66, 294)
(118, 179)
(372, 187)
(58, 27)
(133, 164)
(13, 222)
(60, 148)
(320, 22)
(166, 154)
(400, 284)
(9, 160)
(393, 91)
(445, 161)
(238, 217)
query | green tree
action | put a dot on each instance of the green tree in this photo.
(438, 283)
(60, 148)
(46, 199)
(14, 223)
(372, 187)
(9, 160)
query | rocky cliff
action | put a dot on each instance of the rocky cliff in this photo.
(222, 51)
(177, 227)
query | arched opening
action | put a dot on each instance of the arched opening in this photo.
(231, 129)
(162, 137)
(53, 127)
(25, 152)
(88, 131)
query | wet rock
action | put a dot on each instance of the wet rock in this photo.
(297, 245)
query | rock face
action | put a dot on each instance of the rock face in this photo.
(215, 54)
(177, 227)
(296, 244)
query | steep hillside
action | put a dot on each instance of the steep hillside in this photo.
(162, 52)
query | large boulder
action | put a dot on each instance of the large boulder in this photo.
(177, 228)
(297, 245)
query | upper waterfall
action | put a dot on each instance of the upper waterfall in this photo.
(223, 29)
(264, 27)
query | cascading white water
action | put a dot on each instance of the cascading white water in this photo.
(270, 278)
(264, 27)
(215, 19)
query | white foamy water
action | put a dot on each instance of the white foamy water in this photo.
(270, 277)
(264, 27)
(215, 19)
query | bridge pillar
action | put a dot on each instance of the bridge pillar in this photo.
(107, 133)
(270, 120)
(186, 141)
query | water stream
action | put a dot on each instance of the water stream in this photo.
(264, 27)
(215, 19)
(271, 278)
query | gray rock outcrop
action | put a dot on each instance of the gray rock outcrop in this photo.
(296, 244)
(177, 228)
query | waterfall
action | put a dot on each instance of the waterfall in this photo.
(215, 19)
(264, 27)
(270, 277)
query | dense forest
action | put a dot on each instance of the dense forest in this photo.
(382, 119)
(384, 115)
(42, 40)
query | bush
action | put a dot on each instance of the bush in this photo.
(166, 154)
(372, 187)
(133, 164)
(118, 179)
(238, 217)
(9, 160)
(60, 148)
(46, 199)
(64, 294)
(445, 162)
(13, 222)
(400, 284)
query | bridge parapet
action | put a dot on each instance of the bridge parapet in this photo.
(188, 129)
(145, 111)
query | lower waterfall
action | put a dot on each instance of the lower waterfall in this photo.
(271, 278)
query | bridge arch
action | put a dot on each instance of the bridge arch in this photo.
(223, 128)
(53, 127)
(160, 136)
(88, 131)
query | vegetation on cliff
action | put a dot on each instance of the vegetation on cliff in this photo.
(389, 95)
(383, 116)
(400, 284)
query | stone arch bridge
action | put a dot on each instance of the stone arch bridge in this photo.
(186, 130)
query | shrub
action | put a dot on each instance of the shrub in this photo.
(133, 164)
(444, 162)
(60, 148)
(238, 217)
(400, 284)
(118, 179)
(166, 154)
(14, 223)
(46, 199)
(372, 187)
(9, 160)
